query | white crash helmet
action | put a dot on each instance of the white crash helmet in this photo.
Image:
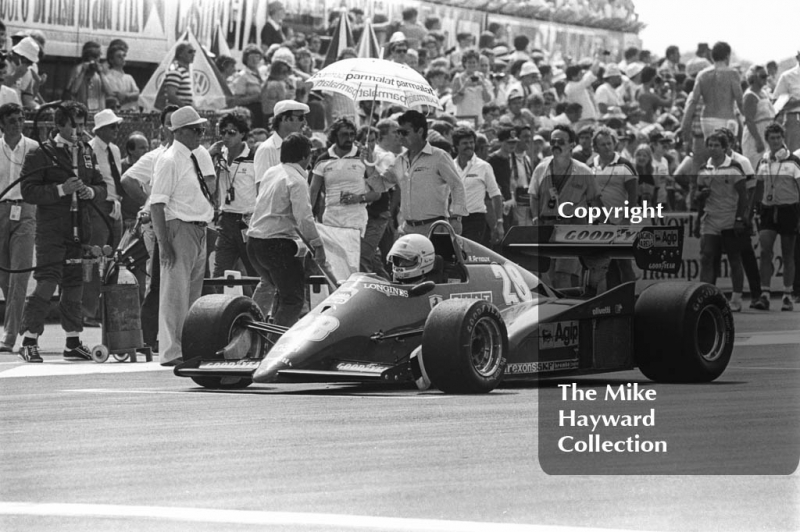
(411, 256)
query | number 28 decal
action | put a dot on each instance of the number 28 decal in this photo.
(514, 288)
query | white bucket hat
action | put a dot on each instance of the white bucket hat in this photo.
(104, 118)
(27, 48)
(186, 116)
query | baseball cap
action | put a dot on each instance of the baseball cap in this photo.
(514, 93)
(285, 106)
(398, 36)
(611, 71)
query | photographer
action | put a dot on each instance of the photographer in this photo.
(471, 89)
(87, 83)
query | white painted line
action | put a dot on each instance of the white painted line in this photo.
(244, 517)
(62, 368)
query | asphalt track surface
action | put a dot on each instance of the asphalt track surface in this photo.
(110, 447)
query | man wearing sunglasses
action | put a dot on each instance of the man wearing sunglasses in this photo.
(427, 179)
(561, 180)
(109, 162)
(181, 207)
(289, 117)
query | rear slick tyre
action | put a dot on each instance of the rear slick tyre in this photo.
(683, 332)
(464, 344)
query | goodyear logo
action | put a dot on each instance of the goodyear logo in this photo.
(559, 334)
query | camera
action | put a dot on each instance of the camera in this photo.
(474, 78)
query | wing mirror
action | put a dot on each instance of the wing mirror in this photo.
(422, 288)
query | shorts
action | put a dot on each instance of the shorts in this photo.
(783, 219)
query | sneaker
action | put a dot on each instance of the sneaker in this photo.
(79, 353)
(30, 353)
(736, 306)
(787, 303)
(762, 303)
(6, 348)
(797, 298)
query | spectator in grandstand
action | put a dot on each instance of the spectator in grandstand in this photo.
(273, 33)
(720, 90)
(788, 86)
(606, 95)
(305, 62)
(570, 116)
(471, 89)
(7, 94)
(412, 29)
(583, 151)
(518, 114)
(643, 160)
(630, 56)
(777, 199)
(276, 88)
(721, 189)
(700, 61)
(2, 36)
(23, 58)
(119, 84)
(246, 85)
(579, 90)
(226, 66)
(520, 52)
(772, 72)
(464, 41)
(650, 103)
(178, 86)
(758, 114)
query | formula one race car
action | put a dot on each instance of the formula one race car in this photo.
(482, 319)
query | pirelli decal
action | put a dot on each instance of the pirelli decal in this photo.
(541, 367)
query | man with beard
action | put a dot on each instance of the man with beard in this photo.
(560, 184)
(479, 184)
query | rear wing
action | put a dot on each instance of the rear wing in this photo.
(653, 248)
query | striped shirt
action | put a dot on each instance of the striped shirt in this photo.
(723, 202)
(179, 77)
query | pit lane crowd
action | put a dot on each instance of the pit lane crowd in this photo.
(519, 135)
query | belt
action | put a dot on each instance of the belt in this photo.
(235, 214)
(13, 201)
(198, 224)
(417, 223)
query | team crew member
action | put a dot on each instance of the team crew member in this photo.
(233, 160)
(109, 162)
(181, 207)
(426, 177)
(17, 222)
(722, 186)
(617, 184)
(778, 199)
(340, 171)
(62, 216)
(282, 209)
(137, 182)
(290, 117)
(560, 179)
(479, 184)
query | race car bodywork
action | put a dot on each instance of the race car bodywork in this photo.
(479, 319)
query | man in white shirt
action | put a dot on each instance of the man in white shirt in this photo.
(109, 162)
(579, 90)
(17, 222)
(606, 95)
(290, 117)
(181, 206)
(479, 184)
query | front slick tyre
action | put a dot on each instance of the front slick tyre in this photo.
(223, 383)
(683, 332)
(464, 346)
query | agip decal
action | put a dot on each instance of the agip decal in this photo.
(559, 334)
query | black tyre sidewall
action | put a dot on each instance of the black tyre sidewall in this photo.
(446, 346)
(666, 331)
(208, 324)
